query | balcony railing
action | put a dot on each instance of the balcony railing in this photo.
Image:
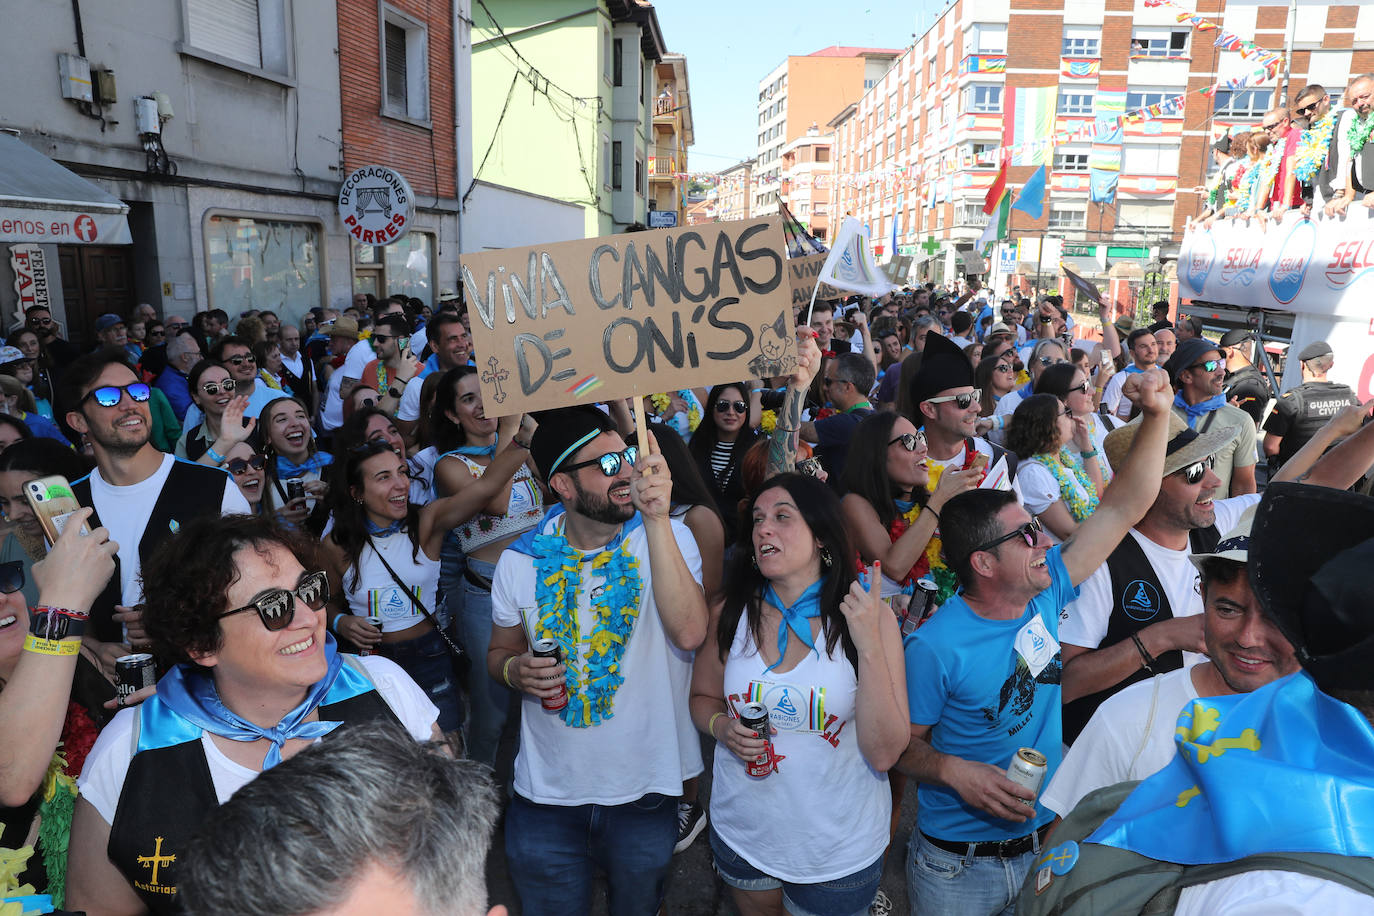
(662, 167)
(664, 107)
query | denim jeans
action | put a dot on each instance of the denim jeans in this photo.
(426, 659)
(850, 895)
(940, 882)
(554, 852)
(487, 697)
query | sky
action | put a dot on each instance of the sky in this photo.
(732, 44)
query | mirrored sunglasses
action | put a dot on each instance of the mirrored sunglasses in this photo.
(910, 441)
(962, 401)
(610, 463)
(723, 406)
(11, 576)
(1207, 365)
(1194, 472)
(277, 608)
(214, 388)
(110, 395)
(1029, 532)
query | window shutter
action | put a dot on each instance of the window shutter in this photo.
(228, 28)
(396, 67)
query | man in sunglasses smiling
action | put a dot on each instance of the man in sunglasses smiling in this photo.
(614, 581)
(141, 495)
(983, 676)
(394, 366)
(1198, 371)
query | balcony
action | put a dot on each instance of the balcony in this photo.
(662, 168)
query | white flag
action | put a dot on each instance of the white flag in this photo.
(850, 266)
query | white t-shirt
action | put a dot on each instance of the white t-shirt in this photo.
(649, 744)
(1005, 407)
(359, 355)
(331, 417)
(1130, 736)
(1272, 893)
(409, 408)
(124, 511)
(103, 775)
(418, 338)
(958, 461)
(1040, 490)
(1117, 403)
(1084, 622)
(422, 475)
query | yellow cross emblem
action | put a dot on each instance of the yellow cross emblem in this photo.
(156, 860)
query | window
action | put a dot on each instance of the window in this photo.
(264, 264)
(1068, 216)
(1070, 162)
(248, 32)
(1145, 216)
(405, 66)
(1150, 159)
(617, 62)
(606, 158)
(1075, 103)
(1080, 42)
(639, 176)
(607, 44)
(1244, 103)
(822, 154)
(869, 84)
(970, 213)
(891, 147)
(991, 39)
(1159, 43)
(410, 267)
(984, 99)
(978, 149)
(1137, 100)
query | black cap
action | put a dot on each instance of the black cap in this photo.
(1223, 144)
(943, 366)
(562, 432)
(1187, 355)
(1315, 349)
(1236, 336)
(1311, 549)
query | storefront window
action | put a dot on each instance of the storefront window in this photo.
(410, 267)
(263, 264)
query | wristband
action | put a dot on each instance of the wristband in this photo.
(215, 456)
(1147, 661)
(334, 624)
(1092, 454)
(932, 512)
(64, 611)
(711, 724)
(61, 648)
(518, 443)
(55, 624)
(505, 672)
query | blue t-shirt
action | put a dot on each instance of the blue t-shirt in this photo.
(985, 699)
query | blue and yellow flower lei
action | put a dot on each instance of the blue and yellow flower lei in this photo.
(593, 682)
(1312, 148)
(1079, 507)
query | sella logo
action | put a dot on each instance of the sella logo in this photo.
(1349, 261)
(1239, 265)
(1198, 262)
(1290, 267)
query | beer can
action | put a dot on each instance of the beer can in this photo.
(373, 620)
(1028, 769)
(754, 716)
(134, 672)
(295, 489)
(549, 648)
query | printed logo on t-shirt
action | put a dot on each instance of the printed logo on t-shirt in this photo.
(1140, 600)
(792, 708)
(1017, 696)
(1036, 646)
(388, 604)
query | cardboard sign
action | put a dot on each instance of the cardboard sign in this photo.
(803, 273)
(632, 314)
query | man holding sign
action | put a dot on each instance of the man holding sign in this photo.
(610, 581)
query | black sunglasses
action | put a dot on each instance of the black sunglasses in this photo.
(1306, 108)
(1084, 388)
(610, 463)
(11, 576)
(1030, 532)
(723, 406)
(910, 441)
(961, 401)
(240, 360)
(277, 608)
(110, 395)
(1194, 472)
(1001, 367)
(239, 466)
(383, 338)
(214, 388)
(1207, 365)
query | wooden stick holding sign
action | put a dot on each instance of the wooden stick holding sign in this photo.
(647, 445)
(630, 315)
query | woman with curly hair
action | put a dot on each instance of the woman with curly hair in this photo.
(794, 614)
(1059, 474)
(235, 604)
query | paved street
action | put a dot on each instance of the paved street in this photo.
(694, 889)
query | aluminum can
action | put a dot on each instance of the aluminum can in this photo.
(134, 672)
(373, 620)
(754, 716)
(295, 489)
(549, 648)
(1028, 769)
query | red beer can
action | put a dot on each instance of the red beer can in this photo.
(549, 648)
(754, 716)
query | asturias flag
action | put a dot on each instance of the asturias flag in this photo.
(1031, 200)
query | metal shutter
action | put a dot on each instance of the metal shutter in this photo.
(228, 28)
(396, 68)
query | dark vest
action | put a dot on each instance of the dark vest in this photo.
(997, 452)
(190, 491)
(1138, 601)
(1314, 404)
(168, 792)
(1250, 390)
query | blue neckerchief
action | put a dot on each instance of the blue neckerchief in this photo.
(192, 695)
(484, 451)
(1215, 402)
(286, 468)
(377, 530)
(1026, 390)
(904, 505)
(525, 543)
(794, 618)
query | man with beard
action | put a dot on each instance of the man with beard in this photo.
(139, 494)
(40, 321)
(613, 579)
(395, 366)
(1198, 372)
(1354, 153)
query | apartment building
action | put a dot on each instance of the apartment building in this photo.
(805, 182)
(672, 135)
(915, 149)
(735, 191)
(801, 92)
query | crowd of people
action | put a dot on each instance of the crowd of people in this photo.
(959, 534)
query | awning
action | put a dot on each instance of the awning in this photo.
(40, 201)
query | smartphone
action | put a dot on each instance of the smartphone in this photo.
(53, 502)
(1106, 358)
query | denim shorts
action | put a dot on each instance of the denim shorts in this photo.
(852, 894)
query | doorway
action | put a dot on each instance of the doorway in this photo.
(95, 279)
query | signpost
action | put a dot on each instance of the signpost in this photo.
(662, 219)
(376, 205)
(630, 315)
